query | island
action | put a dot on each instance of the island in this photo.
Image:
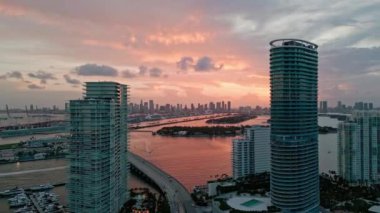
(231, 119)
(200, 131)
(327, 130)
(211, 131)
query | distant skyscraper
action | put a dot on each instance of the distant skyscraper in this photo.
(359, 106)
(370, 106)
(229, 106)
(212, 106)
(323, 106)
(145, 107)
(218, 106)
(151, 106)
(365, 106)
(294, 125)
(358, 141)
(251, 154)
(98, 149)
(339, 105)
(141, 106)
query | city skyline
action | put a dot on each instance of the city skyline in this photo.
(184, 51)
(189, 106)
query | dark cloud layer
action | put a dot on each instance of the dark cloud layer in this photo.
(155, 72)
(142, 70)
(185, 63)
(128, 74)
(96, 70)
(42, 76)
(350, 61)
(203, 64)
(35, 86)
(70, 80)
(13, 74)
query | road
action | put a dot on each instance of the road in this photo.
(179, 198)
(32, 171)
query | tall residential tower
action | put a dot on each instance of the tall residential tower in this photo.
(251, 154)
(294, 125)
(358, 155)
(98, 149)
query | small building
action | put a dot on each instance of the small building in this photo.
(212, 186)
(39, 156)
(7, 155)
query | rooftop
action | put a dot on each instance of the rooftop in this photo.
(293, 42)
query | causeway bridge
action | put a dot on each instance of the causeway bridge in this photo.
(179, 198)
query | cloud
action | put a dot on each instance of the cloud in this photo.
(35, 86)
(42, 76)
(185, 63)
(13, 74)
(95, 70)
(155, 72)
(235, 34)
(71, 80)
(128, 74)
(142, 70)
(348, 62)
(203, 64)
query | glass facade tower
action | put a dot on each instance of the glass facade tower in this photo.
(358, 155)
(98, 149)
(294, 125)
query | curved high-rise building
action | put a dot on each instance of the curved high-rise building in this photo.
(294, 125)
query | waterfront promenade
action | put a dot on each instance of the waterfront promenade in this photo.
(179, 198)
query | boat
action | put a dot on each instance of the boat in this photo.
(25, 209)
(11, 192)
(41, 187)
(19, 200)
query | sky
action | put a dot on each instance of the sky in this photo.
(180, 51)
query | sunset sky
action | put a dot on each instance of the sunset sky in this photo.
(182, 51)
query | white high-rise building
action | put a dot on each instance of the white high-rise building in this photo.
(358, 154)
(251, 154)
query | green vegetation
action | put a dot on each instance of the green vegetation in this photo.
(9, 146)
(231, 119)
(223, 204)
(336, 194)
(141, 198)
(200, 131)
(254, 184)
(163, 205)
